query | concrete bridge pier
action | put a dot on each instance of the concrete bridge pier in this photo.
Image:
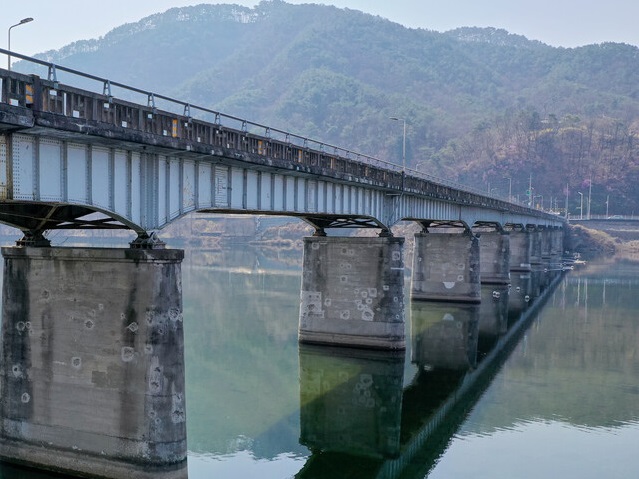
(546, 245)
(520, 249)
(353, 292)
(557, 242)
(494, 257)
(446, 267)
(536, 246)
(92, 365)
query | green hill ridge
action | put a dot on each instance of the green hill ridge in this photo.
(483, 107)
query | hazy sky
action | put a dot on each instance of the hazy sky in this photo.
(566, 23)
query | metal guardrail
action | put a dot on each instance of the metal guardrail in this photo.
(223, 122)
(613, 218)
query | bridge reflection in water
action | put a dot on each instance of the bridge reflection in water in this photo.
(360, 419)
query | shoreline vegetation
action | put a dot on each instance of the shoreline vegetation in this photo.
(592, 243)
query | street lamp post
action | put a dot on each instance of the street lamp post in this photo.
(21, 22)
(403, 142)
(581, 205)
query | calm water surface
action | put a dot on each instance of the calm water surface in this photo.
(478, 393)
(564, 401)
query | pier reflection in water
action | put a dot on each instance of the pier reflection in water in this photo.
(359, 418)
(351, 400)
(569, 395)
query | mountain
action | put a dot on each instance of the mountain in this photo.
(483, 106)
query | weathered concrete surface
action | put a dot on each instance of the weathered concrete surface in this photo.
(536, 239)
(557, 242)
(520, 250)
(546, 244)
(353, 292)
(494, 257)
(92, 366)
(446, 267)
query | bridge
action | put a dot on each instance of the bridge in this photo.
(82, 325)
(73, 152)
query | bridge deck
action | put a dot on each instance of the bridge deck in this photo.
(68, 152)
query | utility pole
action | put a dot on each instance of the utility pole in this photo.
(589, 194)
(403, 120)
(510, 188)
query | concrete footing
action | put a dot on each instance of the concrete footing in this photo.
(536, 240)
(446, 267)
(352, 292)
(92, 365)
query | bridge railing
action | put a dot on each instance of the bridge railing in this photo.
(222, 130)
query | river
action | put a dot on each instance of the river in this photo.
(480, 392)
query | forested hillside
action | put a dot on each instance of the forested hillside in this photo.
(482, 106)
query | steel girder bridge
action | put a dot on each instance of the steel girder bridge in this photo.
(72, 158)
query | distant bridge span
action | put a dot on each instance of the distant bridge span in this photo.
(71, 158)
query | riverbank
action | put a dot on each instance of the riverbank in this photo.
(592, 243)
